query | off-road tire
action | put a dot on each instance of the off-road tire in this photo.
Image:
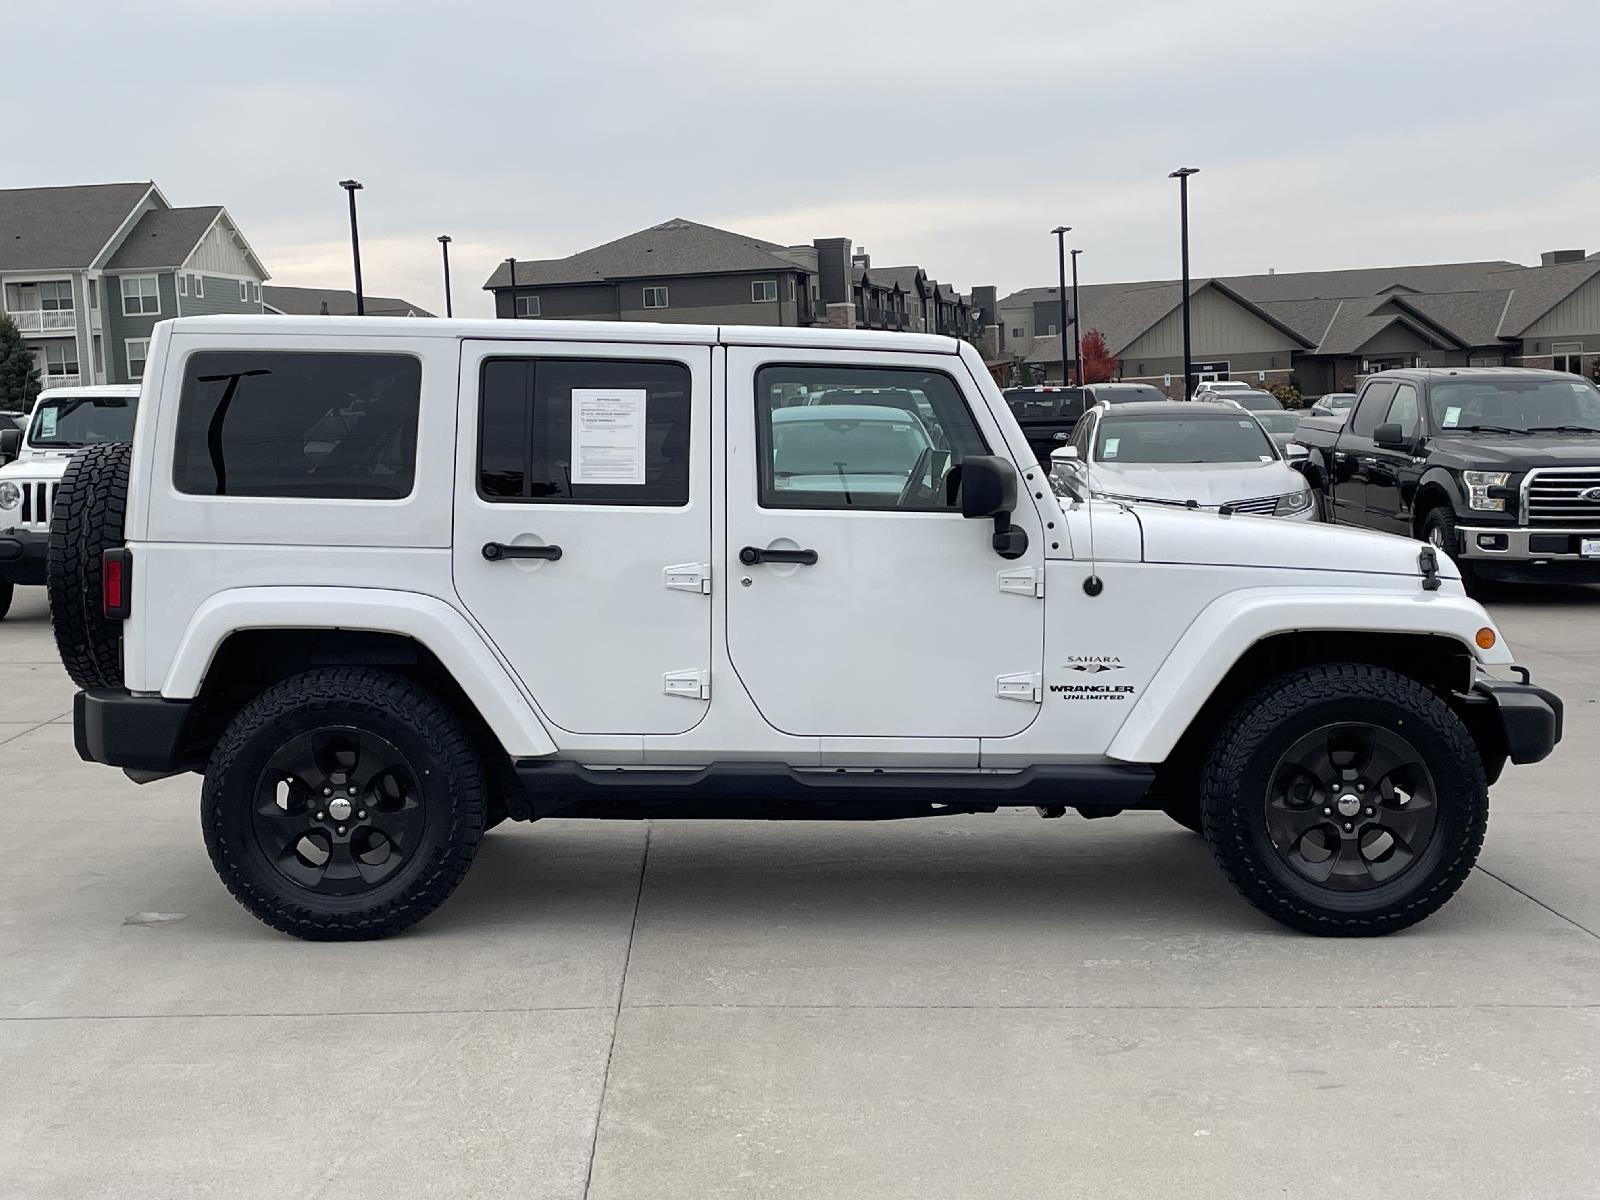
(90, 507)
(7, 590)
(1248, 747)
(440, 755)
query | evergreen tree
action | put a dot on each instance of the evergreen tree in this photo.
(19, 374)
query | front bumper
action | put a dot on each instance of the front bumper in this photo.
(22, 555)
(137, 733)
(1518, 543)
(1527, 719)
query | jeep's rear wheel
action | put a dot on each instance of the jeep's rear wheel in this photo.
(1345, 800)
(343, 804)
(87, 520)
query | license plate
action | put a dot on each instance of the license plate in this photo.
(1589, 548)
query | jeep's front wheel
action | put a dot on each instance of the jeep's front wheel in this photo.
(343, 804)
(1345, 800)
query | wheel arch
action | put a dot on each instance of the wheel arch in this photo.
(242, 640)
(1435, 488)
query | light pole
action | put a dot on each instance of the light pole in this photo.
(444, 244)
(352, 187)
(1061, 232)
(512, 263)
(1077, 319)
(1182, 176)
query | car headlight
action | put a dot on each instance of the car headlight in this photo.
(1478, 485)
(10, 495)
(1292, 503)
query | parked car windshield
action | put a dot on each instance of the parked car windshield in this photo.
(848, 447)
(1255, 401)
(75, 421)
(1519, 405)
(1279, 421)
(1338, 401)
(1201, 438)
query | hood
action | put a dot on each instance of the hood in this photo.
(1202, 538)
(1518, 452)
(36, 466)
(1208, 484)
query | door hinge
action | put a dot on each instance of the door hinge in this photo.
(688, 685)
(1023, 581)
(1026, 686)
(688, 577)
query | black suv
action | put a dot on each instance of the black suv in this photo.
(1048, 414)
(1498, 466)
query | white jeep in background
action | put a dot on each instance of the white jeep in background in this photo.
(64, 421)
(386, 583)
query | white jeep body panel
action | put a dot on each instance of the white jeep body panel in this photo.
(909, 644)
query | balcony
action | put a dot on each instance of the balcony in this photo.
(55, 381)
(34, 320)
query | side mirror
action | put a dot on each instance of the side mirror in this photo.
(1391, 437)
(1295, 452)
(989, 490)
(10, 444)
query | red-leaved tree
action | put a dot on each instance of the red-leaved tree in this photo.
(1099, 364)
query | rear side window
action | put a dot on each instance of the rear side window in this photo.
(584, 431)
(325, 426)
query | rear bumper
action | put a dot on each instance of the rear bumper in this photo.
(22, 555)
(137, 733)
(1528, 718)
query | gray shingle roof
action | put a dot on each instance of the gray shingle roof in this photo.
(675, 247)
(906, 277)
(163, 238)
(1308, 318)
(1536, 290)
(308, 302)
(1364, 281)
(59, 228)
(1474, 317)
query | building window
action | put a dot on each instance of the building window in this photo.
(1485, 360)
(533, 410)
(655, 297)
(138, 351)
(791, 288)
(60, 363)
(255, 293)
(527, 306)
(94, 294)
(183, 285)
(244, 291)
(140, 296)
(99, 357)
(1051, 332)
(314, 424)
(1567, 356)
(763, 291)
(200, 287)
(1016, 332)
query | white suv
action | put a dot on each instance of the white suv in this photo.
(387, 582)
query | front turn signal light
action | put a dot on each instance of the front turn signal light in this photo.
(1486, 638)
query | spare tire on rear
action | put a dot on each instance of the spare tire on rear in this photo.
(87, 520)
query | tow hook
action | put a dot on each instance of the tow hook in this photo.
(1050, 811)
(1428, 564)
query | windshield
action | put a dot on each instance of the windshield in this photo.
(1337, 401)
(1279, 421)
(1194, 439)
(1125, 395)
(76, 421)
(846, 447)
(1255, 401)
(1519, 405)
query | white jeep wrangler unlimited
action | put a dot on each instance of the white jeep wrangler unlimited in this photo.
(387, 582)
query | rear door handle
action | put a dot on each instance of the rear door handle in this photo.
(495, 551)
(751, 555)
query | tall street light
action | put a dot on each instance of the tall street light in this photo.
(352, 187)
(512, 263)
(1077, 319)
(1061, 232)
(1182, 176)
(444, 244)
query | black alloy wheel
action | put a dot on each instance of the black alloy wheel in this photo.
(1351, 806)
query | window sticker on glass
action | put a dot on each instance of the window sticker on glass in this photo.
(47, 422)
(1452, 417)
(1111, 447)
(608, 434)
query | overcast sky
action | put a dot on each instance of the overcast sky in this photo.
(953, 135)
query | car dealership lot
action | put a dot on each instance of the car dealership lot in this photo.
(973, 1006)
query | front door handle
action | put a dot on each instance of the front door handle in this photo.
(495, 551)
(751, 555)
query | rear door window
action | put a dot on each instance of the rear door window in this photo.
(315, 425)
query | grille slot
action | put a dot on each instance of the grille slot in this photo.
(1258, 506)
(1555, 499)
(38, 499)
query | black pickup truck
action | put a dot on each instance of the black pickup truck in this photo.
(1498, 466)
(1048, 415)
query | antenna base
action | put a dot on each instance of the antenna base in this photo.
(1092, 586)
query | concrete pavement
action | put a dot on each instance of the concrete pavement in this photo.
(971, 1007)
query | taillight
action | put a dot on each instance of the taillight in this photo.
(116, 583)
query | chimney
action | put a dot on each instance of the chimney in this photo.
(1554, 258)
(1272, 270)
(861, 258)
